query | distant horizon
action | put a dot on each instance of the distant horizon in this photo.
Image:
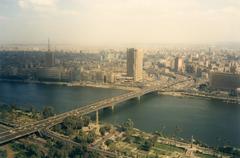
(109, 22)
(223, 43)
(57, 46)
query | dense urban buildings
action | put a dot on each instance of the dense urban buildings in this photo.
(49, 61)
(120, 66)
(192, 72)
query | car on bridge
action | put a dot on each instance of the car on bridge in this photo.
(93, 107)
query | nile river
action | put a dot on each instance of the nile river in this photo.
(210, 121)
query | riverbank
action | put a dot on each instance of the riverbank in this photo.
(233, 100)
(226, 99)
(115, 141)
(76, 84)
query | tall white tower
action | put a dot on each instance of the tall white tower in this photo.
(49, 57)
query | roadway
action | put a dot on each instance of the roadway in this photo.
(26, 130)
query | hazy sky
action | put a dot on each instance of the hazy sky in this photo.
(119, 21)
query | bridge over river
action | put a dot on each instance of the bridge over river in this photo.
(37, 126)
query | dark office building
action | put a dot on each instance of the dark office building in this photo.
(224, 81)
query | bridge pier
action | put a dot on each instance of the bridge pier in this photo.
(139, 98)
(112, 107)
(97, 119)
(97, 124)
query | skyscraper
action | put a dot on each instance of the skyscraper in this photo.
(178, 64)
(134, 63)
(49, 57)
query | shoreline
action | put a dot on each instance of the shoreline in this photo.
(192, 95)
(165, 140)
(231, 100)
(73, 84)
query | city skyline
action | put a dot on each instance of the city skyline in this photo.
(119, 22)
(119, 78)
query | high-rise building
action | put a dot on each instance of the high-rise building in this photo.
(49, 57)
(224, 81)
(178, 64)
(134, 63)
(233, 67)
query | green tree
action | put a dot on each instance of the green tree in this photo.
(147, 145)
(86, 120)
(59, 150)
(27, 150)
(72, 123)
(80, 139)
(3, 153)
(105, 129)
(128, 125)
(79, 124)
(102, 130)
(32, 150)
(47, 111)
(109, 142)
(91, 137)
(20, 155)
(78, 151)
(69, 122)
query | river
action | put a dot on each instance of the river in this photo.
(211, 121)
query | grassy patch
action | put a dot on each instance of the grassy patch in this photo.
(169, 148)
(201, 155)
